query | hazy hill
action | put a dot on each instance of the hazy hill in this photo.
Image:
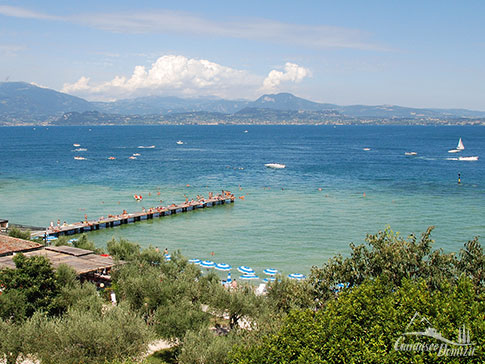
(23, 102)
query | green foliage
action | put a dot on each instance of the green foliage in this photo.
(17, 233)
(238, 303)
(66, 276)
(285, 294)
(174, 319)
(35, 281)
(84, 243)
(86, 336)
(123, 249)
(168, 295)
(363, 324)
(390, 256)
(11, 341)
(13, 305)
(205, 347)
(472, 263)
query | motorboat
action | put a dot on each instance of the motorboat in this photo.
(180, 142)
(458, 148)
(132, 157)
(366, 149)
(76, 145)
(146, 147)
(111, 158)
(410, 153)
(79, 158)
(275, 165)
(469, 159)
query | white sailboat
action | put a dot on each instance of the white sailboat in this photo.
(458, 148)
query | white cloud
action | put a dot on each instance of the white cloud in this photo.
(172, 22)
(176, 75)
(292, 73)
(18, 12)
(171, 75)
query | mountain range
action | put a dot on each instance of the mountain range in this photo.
(26, 104)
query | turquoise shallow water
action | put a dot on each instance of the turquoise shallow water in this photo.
(284, 222)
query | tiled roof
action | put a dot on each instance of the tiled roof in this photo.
(9, 245)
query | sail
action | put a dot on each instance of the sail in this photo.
(460, 145)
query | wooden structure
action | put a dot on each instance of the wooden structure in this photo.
(128, 218)
(86, 264)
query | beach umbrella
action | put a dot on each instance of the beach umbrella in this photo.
(270, 279)
(297, 276)
(168, 257)
(223, 267)
(248, 277)
(195, 261)
(270, 271)
(207, 264)
(245, 270)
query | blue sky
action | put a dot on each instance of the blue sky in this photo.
(410, 53)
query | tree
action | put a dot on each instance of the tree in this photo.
(34, 279)
(238, 303)
(285, 294)
(205, 347)
(87, 336)
(123, 249)
(364, 323)
(387, 254)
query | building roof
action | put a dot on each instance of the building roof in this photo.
(82, 264)
(9, 245)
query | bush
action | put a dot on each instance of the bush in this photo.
(17, 233)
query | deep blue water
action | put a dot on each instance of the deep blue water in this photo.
(288, 223)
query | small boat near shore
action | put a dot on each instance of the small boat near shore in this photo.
(410, 153)
(366, 149)
(275, 165)
(111, 158)
(78, 158)
(76, 145)
(180, 142)
(146, 147)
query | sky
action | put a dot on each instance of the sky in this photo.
(408, 53)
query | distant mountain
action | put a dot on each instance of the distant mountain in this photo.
(22, 102)
(285, 101)
(166, 105)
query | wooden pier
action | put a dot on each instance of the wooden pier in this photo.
(128, 218)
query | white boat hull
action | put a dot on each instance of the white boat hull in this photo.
(470, 159)
(275, 165)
